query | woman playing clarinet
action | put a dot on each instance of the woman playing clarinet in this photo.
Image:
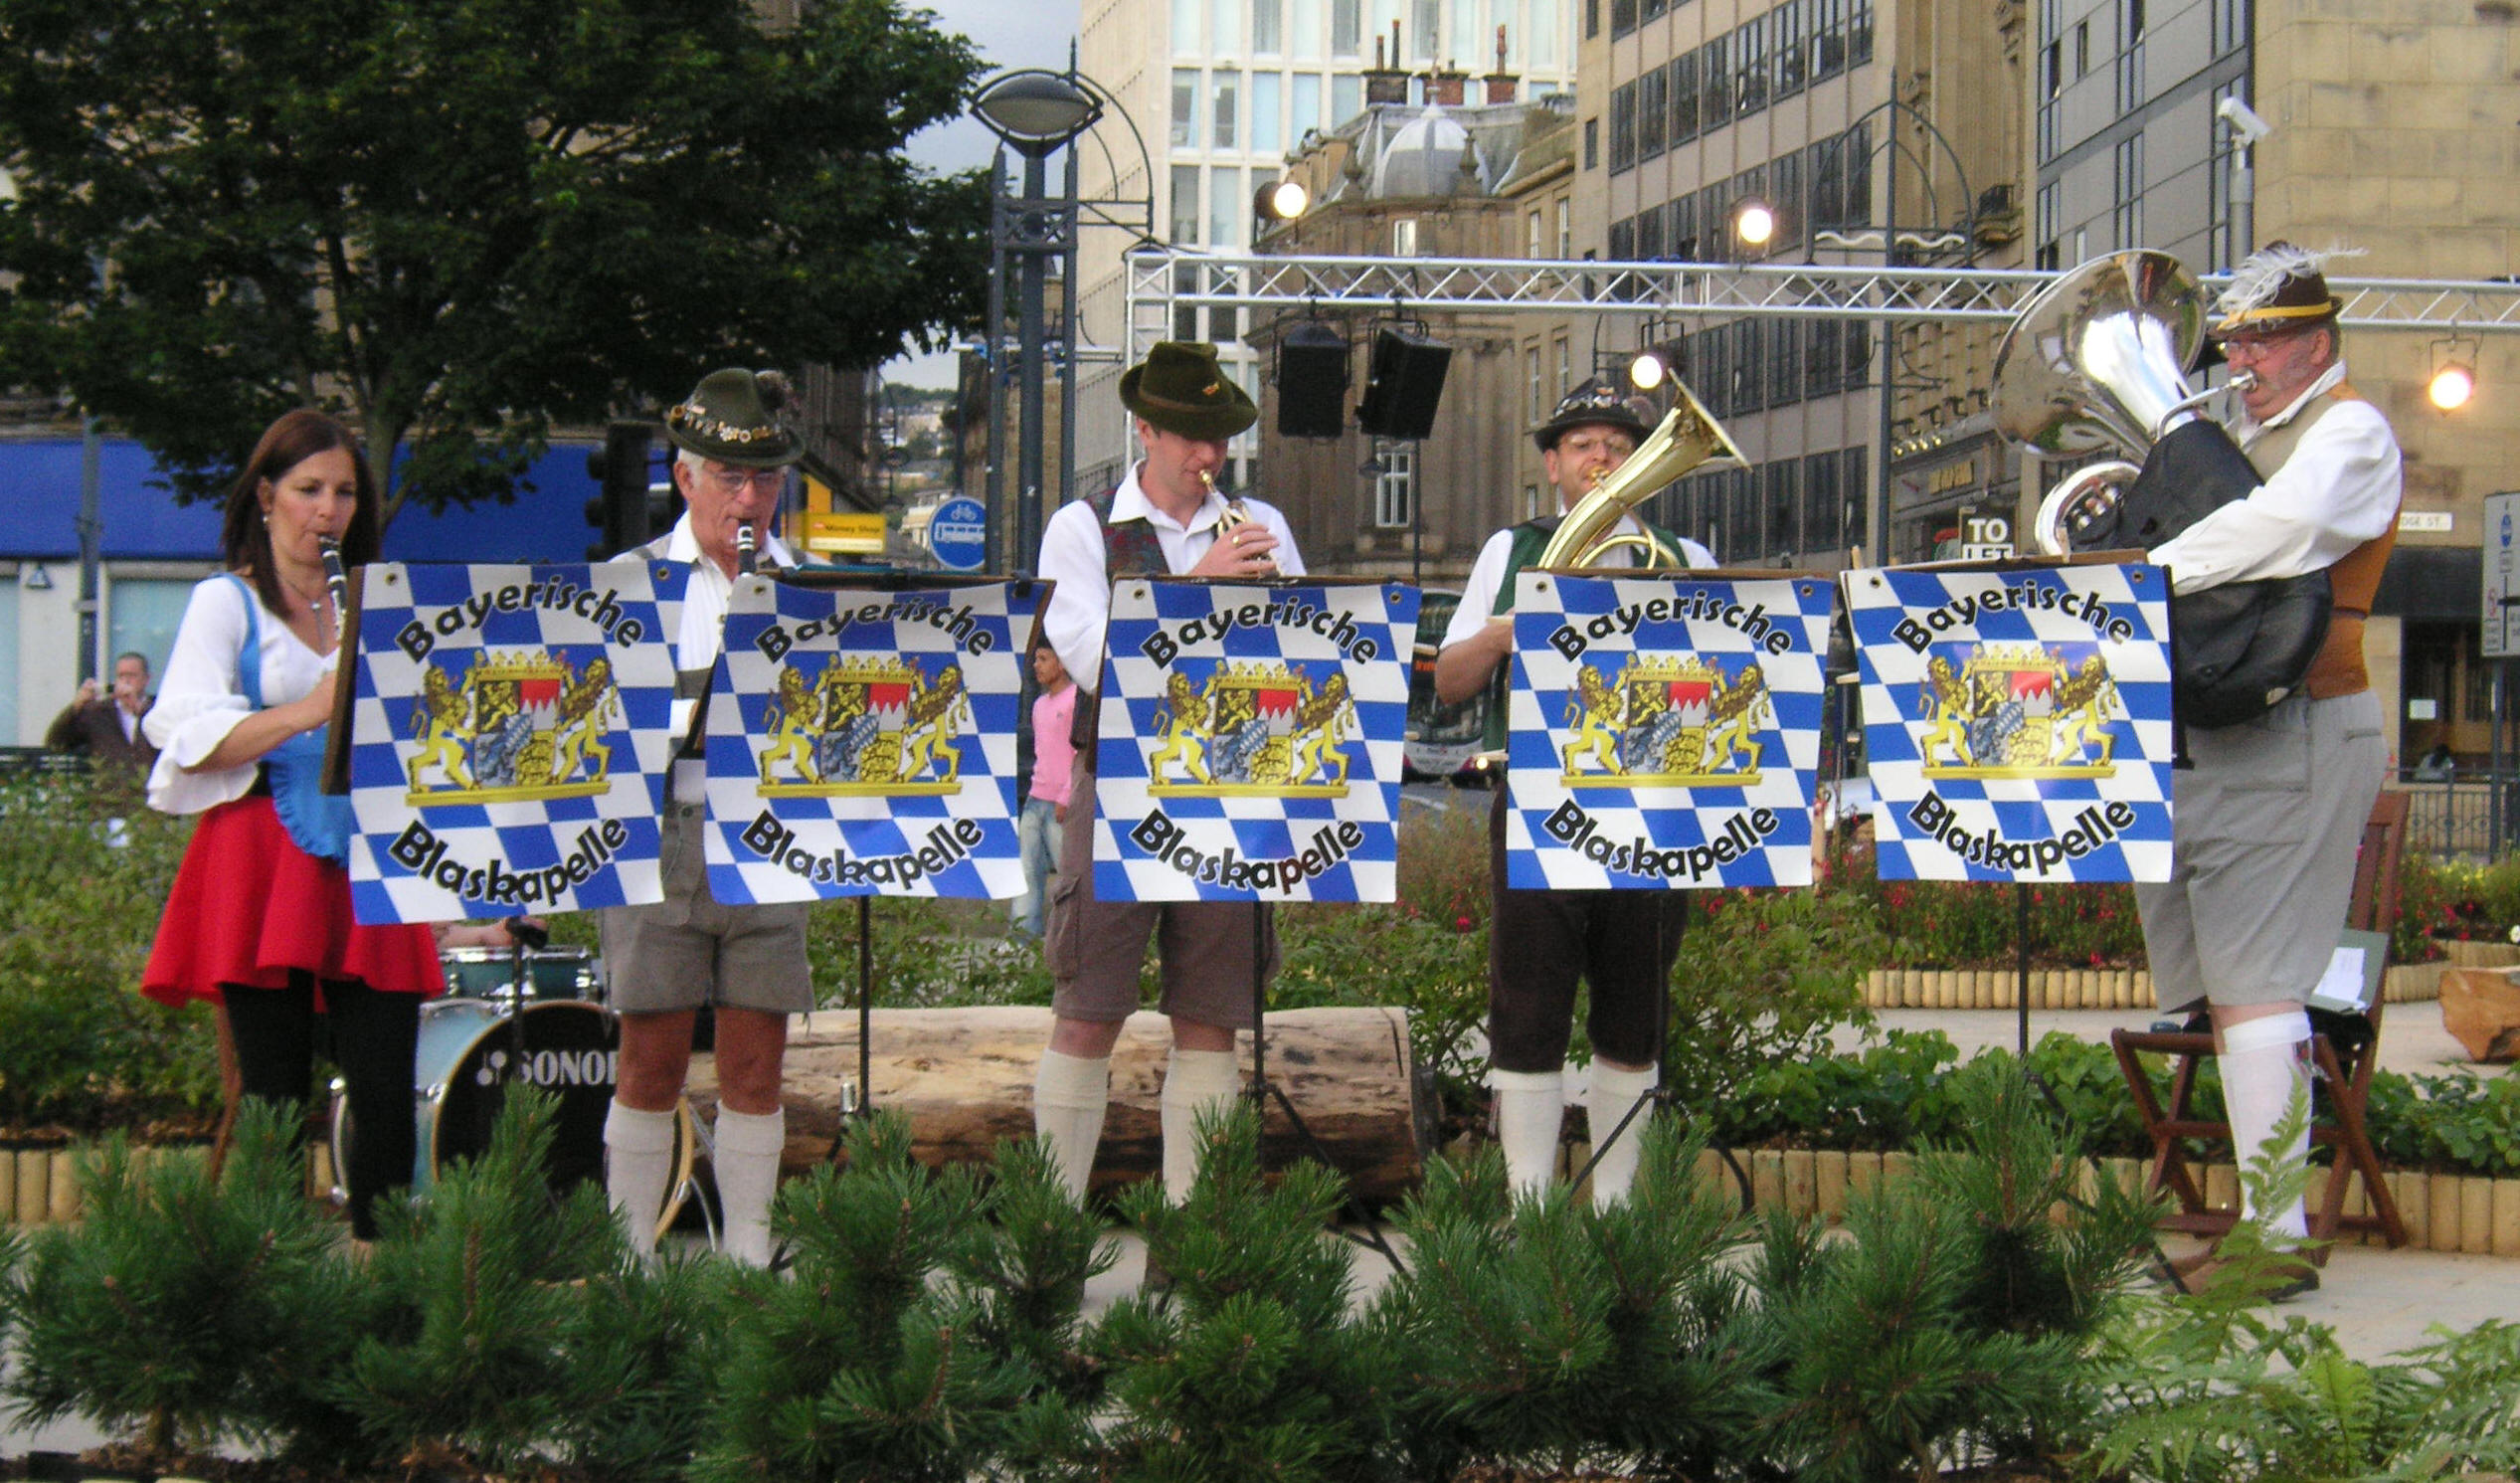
(260, 920)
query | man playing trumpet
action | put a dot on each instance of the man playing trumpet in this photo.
(1166, 517)
(1540, 942)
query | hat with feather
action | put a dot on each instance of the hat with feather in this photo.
(2278, 288)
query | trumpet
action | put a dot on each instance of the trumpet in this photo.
(1237, 513)
(336, 580)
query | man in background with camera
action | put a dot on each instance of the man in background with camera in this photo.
(106, 726)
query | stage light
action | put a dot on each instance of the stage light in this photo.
(1647, 371)
(1753, 223)
(2452, 386)
(1280, 201)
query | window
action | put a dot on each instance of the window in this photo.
(1395, 487)
(1859, 32)
(141, 618)
(2051, 70)
(1648, 234)
(1303, 29)
(2126, 216)
(1683, 91)
(1652, 8)
(1463, 47)
(1785, 193)
(1784, 362)
(1186, 33)
(1749, 346)
(1785, 40)
(2044, 230)
(1855, 150)
(1405, 237)
(1226, 199)
(1346, 97)
(1267, 34)
(1346, 27)
(1651, 107)
(1682, 233)
(1592, 143)
(1715, 84)
(2133, 28)
(2230, 25)
(1227, 118)
(1592, 19)
(1531, 501)
(1623, 128)
(1854, 490)
(1784, 506)
(1858, 354)
(1823, 511)
(1225, 33)
(2082, 48)
(1824, 361)
(1304, 106)
(1623, 240)
(1749, 65)
(2130, 70)
(1268, 123)
(1565, 228)
(1622, 18)
(1565, 354)
(1828, 26)
(1424, 17)
(1537, 412)
(1532, 234)
(1184, 109)
(1186, 209)
(1186, 281)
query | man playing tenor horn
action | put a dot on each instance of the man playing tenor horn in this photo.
(1540, 942)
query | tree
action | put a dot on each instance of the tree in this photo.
(460, 221)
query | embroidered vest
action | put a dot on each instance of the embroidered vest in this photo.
(2354, 579)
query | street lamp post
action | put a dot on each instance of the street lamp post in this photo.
(1035, 114)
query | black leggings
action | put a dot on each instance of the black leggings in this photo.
(375, 1037)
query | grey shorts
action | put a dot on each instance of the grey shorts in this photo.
(2261, 860)
(1096, 948)
(687, 950)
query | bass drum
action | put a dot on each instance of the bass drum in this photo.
(471, 1050)
(552, 975)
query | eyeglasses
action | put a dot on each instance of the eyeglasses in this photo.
(726, 481)
(1584, 445)
(2250, 342)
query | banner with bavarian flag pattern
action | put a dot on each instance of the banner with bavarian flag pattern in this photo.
(2017, 720)
(510, 732)
(1662, 731)
(862, 742)
(1250, 741)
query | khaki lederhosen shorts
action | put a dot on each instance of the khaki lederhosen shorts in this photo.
(2261, 862)
(1095, 947)
(687, 951)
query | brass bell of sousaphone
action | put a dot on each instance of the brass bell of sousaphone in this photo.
(1687, 436)
(2096, 361)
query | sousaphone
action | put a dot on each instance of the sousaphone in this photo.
(2095, 362)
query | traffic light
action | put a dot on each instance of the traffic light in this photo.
(621, 514)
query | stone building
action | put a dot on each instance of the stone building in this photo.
(2389, 129)
(1446, 179)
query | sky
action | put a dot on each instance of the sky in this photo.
(1009, 34)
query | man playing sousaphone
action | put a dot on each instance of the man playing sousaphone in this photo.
(2268, 819)
(1540, 942)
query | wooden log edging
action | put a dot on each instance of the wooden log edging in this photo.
(2123, 989)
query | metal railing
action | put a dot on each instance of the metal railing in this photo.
(2458, 816)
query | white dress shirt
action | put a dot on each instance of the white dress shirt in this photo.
(2339, 489)
(702, 631)
(1072, 555)
(203, 696)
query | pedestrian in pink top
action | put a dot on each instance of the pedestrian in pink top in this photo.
(1053, 754)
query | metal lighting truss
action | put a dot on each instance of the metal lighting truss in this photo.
(1162, 281)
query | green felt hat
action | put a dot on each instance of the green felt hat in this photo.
(1181, 389)
(732, 416)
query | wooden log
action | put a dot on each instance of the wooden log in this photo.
(2481, 1010)
(965, 1078)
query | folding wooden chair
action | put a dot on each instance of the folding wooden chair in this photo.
(2342, 1057)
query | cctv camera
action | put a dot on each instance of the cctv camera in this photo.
(2244, 121)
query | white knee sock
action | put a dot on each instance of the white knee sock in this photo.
(1530, 1107)
(1607, 1098)
(1195, 1081)
(637, 1165)
(747, 1154)
(1070, 1097)
(2262, 1074)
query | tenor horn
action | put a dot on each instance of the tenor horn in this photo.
(2094, 362)
(1687, 436)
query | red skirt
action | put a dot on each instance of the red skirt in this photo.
(249, 906)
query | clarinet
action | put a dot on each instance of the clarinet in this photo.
(747, 550)
(336, 580)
